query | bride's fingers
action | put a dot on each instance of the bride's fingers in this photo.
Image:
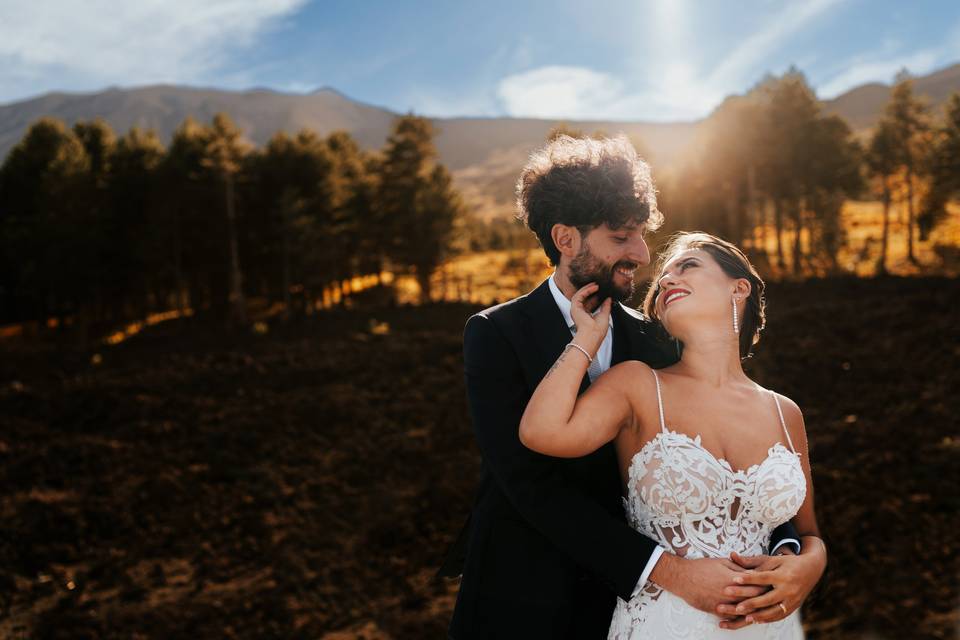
(604, 315)
(583, 292)
(770, 614)
(768, 599)
(742, 593)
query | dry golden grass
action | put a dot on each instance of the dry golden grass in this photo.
(495, 276)
(484, 278)
(863, 222)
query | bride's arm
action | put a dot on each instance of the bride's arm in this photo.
(558, 423)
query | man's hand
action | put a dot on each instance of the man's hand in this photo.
(701, 582)
(791, 578)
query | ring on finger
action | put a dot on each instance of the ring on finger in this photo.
(782, 608)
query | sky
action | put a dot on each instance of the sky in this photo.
(656, 60)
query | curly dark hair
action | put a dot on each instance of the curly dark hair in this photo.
(583, 183)
(734, 263)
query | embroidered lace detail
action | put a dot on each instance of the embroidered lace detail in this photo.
(698, 506)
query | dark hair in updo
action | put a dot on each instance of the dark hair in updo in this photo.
(735, 264)
(583, 183)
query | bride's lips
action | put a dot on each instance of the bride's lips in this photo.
(683, 293)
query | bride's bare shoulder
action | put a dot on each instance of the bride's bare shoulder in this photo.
(793, 418)
(632, 368)
(633, 376)
(791, 411)
(636, 380)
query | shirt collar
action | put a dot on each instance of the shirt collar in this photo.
(564, 303)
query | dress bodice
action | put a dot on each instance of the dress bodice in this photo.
(697, 506)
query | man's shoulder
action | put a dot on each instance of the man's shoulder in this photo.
(499, 324)
(636, 318)
(634, 314)
(649, 339)
(505, 312)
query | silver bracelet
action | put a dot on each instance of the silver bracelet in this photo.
(582, 350)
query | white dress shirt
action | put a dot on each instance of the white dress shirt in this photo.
(605, 353)
(603, 357)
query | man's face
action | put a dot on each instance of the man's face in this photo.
(610, 257)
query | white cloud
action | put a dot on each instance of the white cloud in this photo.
(475, 98)
(59, 43)
(864, 71)
(559, 92)
(678, 88)
(580, 93)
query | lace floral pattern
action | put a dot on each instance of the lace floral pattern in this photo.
(698, 506)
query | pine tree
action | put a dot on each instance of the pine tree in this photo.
(791, 111)
(832, 175)
(43, 184)
(944, 169)
(418, 201)
(223, 155)
(185, 199)
(909, 119)
(131, 224)
(882, 164)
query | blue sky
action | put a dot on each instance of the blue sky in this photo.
(630, 60)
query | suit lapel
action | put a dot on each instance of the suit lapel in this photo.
(621, 336)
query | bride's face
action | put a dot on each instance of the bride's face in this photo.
(694, 291)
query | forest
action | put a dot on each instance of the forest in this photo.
(98, 228)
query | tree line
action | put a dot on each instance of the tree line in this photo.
(101, 228)
(772, 160)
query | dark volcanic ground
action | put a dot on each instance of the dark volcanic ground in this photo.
(307, 481)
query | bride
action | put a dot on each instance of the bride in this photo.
(710, 461)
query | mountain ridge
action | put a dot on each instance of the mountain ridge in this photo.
(484, 153)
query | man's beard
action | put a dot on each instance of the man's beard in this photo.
(586, 268)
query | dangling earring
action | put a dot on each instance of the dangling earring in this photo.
(736, 324)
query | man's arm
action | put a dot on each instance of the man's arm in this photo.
(785, 536)
(534, 483)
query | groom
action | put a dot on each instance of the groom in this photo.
(547, 549)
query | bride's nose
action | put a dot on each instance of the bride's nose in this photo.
(666, 280)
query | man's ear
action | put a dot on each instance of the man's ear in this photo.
(567, 239)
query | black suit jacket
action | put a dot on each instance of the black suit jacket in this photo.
(547, 548)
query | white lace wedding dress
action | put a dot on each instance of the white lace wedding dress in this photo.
(696, 505)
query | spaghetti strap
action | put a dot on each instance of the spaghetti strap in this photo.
(782, 423)
(659, 400)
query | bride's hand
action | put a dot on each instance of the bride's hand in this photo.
(590, 328)
(790, 577)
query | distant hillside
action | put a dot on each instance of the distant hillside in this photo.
(485, 154)
(862, 106)
(259, 112)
